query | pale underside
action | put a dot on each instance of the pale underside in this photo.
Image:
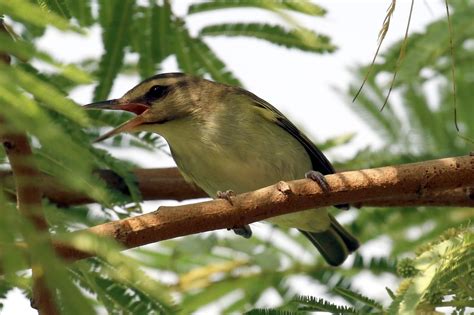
(230, 156)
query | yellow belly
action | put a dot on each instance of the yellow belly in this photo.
(218, 170)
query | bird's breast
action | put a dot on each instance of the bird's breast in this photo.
(239, 158)
(235, 157)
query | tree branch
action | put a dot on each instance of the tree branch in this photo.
(168, 184)
(154, 184)
(29, 204)
(25, 175)
(416, 179)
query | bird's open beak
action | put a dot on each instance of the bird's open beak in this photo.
(116, 104)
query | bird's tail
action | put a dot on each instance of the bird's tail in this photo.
(334, 244)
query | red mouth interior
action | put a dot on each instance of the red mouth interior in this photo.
(136, 108)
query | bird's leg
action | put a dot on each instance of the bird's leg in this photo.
(318, 178)
(321, 180)
(244, 231)
(227, 195)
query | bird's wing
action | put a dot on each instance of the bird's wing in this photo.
(318, 161)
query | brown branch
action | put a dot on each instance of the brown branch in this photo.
(25, 174)
(285, 197)
(154, 184)
(168, 184)
(460, 197)
(29, 197)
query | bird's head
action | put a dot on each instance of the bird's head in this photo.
(159, 101)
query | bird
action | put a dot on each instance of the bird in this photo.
(225, 138)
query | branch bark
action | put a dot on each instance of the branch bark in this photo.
(168, 184)
(29, 197)
(25, 175)
(416, 179)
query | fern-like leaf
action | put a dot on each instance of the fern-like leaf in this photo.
(57, 6)
(24, 10)
(183, 50)
(301, 38)
(115, 40)
(444, 267)
(144, 35)
(82, 11)
(162, 39)
(311, 303)
(358, 297)
(301, 6)
(270, 311)
(49, 95)
(212, 63)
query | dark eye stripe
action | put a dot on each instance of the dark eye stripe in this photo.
(156, 92)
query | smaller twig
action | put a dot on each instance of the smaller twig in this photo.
(382, 34)
(453, 77)
(401, 56)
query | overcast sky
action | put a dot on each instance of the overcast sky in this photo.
(301, 85)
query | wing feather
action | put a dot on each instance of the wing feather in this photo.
(318, 161)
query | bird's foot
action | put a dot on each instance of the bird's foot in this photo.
(321, 180)
(227, 195)
(318, 178)
(244, 231)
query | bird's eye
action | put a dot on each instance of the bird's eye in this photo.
(157, 92)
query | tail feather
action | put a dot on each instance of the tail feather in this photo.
(334, 244)
(350, 241)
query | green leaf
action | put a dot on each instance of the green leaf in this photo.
(161, 28)
(49, 95)
(122, 271)
(144, 34)
(437, 269)
(120, 298)
(337, 141)
(195, 57)
(358, 297)
(301, 6)
(211, 62)
(57, 6)
(115, 40)
(183, 52)
(26, 51)
(82, 11)
(218, 289)
(310, 303)
(26, 11)
(269, 311)
(300, 38)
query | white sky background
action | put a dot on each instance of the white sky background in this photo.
(302, 85)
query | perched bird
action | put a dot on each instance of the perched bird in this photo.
(224, 137)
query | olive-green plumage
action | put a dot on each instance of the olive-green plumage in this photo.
(226, 138)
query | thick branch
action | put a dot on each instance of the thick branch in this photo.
(168, 184)
(154, 184)
(29, 197)
(285, 197)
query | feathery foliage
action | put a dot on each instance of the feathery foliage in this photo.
(303, 39)
(188, 274)
(305, 7)
(35, 101)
